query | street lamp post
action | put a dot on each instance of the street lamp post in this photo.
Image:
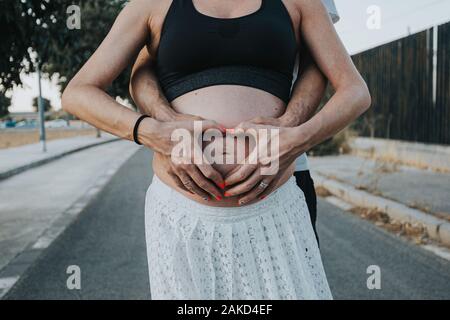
(42, 137)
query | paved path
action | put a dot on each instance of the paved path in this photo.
(32, 200)
(19, 159)
(421, 189)
(107, 243)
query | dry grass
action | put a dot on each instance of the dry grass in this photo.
(322, 192)
(420, 206)
(413, 231)
(338, 144)
(10, 139)
(442, 215)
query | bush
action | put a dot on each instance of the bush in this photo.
(5, 102)
(339, 144)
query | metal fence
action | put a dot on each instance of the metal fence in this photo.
(411, 99)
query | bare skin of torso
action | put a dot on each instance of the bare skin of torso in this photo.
(228, 105)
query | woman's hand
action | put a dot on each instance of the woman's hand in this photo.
(262, 170)
(157, 135)
(198, 178)
(195, 179)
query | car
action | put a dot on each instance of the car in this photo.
(10, 124)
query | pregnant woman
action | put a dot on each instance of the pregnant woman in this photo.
(227, 62)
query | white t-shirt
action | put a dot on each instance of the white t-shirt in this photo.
(331, 7)
(302, 162)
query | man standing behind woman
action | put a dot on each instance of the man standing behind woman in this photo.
(308, 87)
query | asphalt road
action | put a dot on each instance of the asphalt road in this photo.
(107, 243)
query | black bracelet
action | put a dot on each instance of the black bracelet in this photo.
(136, 127)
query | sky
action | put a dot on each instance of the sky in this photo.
(398, 18)
(364, 24)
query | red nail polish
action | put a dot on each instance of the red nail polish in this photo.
(227, 194)
(219, 198)
(263, 197)
(221, 185)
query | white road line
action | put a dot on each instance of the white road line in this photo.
(6, 284)
(442, 252)
(66, 217)
(45, 241)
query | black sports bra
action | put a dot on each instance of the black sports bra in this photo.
(256, 50)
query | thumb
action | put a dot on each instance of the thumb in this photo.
(193, 118)
(260, 120)
(211, 124)
(245, 125)
(267, 121)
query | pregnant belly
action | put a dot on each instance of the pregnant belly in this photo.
(229, 105)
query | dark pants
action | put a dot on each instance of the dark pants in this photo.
(306, 183)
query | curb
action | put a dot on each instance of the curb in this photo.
(9, 173)
(438, 229)
(16, 268)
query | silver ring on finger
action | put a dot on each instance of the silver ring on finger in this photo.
(263, 185)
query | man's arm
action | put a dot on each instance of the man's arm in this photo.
(309, 87)
(147, 93)
(308, 91)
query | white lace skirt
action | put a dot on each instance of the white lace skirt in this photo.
(265, 250)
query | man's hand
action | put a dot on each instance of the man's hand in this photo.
(248, 179)
(195, 179)
(287, 120)
(158, 135)
(165, 113)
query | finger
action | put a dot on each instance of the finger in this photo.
(258, 120)
(210, 124)
(271, 187)
(246, 185)
(245, 129)
(239, 174)
(209, 172)
(239, 130)
(178, 182)
(192, 186)
(256, 191)
(192, 124)
(190, 117)
(264, 121)
(203, 183)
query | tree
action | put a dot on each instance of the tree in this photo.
(72, 48)
(24, 25)
(46, 102)
(30, 27)
(5, 102)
